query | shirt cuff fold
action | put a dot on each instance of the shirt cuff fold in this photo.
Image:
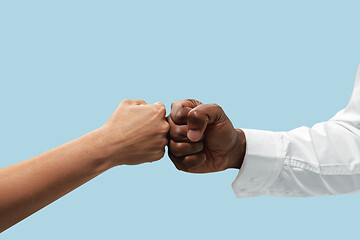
(262, 164)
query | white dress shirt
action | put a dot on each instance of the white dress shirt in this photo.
(322, 160)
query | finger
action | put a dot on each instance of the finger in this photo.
(199, 117)
(179, 149)
(178, 133)
(160, 104)
(188, 162)
(134, 102)
(180, 117)
(164, 129)
(179, 104)
(160, 108)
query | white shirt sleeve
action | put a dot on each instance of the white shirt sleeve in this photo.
(322, 160)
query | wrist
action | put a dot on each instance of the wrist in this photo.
(100, 148)
(239, 150)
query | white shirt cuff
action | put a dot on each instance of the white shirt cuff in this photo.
(262, 164)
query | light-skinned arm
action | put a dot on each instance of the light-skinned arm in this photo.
(134, 134)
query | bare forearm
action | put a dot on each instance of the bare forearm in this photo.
(134, 134)
(28, 186)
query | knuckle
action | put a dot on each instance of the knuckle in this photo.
(141, 101)
(165, 127)
(177, 149)
(181, 147)
(162, 111)
(177, 131)
(193, 101)
(194, 114)
(160, 108)
(178, 116)
(160, 105)
(216, 106)
(126, 101)
(182, 114)
(176, 103)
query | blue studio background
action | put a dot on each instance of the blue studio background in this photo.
(272, 65)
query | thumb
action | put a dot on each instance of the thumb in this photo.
(200, 117)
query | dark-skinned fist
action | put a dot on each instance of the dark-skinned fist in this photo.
(203, 139)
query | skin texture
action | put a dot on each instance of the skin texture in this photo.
(136, 133)
(203, 139)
